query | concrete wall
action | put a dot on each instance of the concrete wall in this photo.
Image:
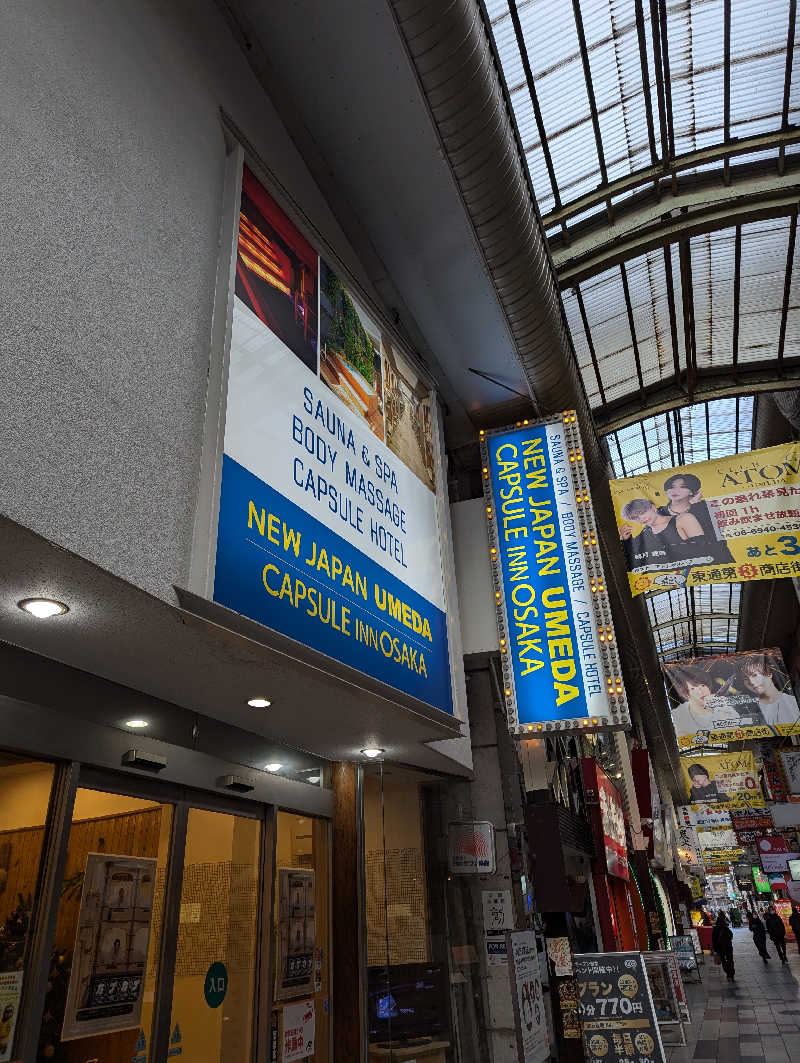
(110, 200)
(474, 577)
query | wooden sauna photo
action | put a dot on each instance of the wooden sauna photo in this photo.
(350, 351)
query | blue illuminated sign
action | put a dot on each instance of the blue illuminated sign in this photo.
(550, 629)
(287, 570)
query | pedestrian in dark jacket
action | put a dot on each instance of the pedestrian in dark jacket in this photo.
(794, 923)
(722, 944)
(759, 932)
(777, 931)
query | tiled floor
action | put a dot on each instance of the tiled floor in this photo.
(757, 1017)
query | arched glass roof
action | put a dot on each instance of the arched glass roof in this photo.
(662, 139)
(662, 142)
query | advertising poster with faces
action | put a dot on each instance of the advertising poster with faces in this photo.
(111, 942)
(729, 780)
(728, 520)
(296, 933)
(731, 698)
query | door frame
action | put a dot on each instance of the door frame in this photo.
(69, 777)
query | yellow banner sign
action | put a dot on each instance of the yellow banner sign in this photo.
(728, 520)
(726, 780)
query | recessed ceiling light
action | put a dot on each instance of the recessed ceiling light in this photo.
(315, 779)
(372, 752)
(259, 703)
(274, 766)
(43, 607)
(137, 723)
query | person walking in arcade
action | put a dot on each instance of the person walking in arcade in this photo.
(722, 944)
(777, 931)
(759, 932)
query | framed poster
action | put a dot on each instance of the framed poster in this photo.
(683, 947)
(10, 992)
(694, 934)
(618, 1014)
(677, 985)
(665, 999)
(526, 993)
(296, 933)
(106, 981)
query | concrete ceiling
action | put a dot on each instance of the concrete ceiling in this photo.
(355, 110)
(194, 663)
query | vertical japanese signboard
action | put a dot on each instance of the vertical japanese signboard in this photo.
(616, 1006)
(328, 526)
(560, 666)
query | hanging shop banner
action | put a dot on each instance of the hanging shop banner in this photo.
(777, 863)
(560, 665)
(328, 529)
(718, 838)
(720, 859)
(727, 520)
(533, 1043)
(296, 933)
(106, 982)
(760, 881)
(751, 824)
(726, 779)
(731, 698)
(705, 817)
(601, 791)
(617, 1008)
(790, 760)
(470, 848)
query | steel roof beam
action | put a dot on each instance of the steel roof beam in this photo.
(787, 290)
(700, 616)
(787, 81)
(680, 216)
(726, 92)
(709, 384)
(643, 179)
(537, 111)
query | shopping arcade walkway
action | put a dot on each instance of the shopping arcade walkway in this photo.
(755, 1017)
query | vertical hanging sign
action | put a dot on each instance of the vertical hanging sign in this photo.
(560, 666)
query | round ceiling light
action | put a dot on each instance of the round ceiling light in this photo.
(259, 703)
(274, 766)
(372, 752)
(42, 608)
(137, 723)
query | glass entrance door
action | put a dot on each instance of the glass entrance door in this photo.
(103, 966)
(214, 991)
